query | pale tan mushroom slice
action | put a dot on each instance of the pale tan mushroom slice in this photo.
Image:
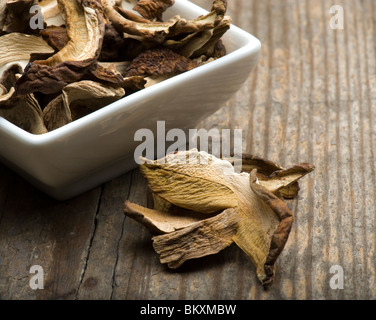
(17, 48)
(162, 222)
(201, 183)
(78, 100)
(51, 13)
(3, 4)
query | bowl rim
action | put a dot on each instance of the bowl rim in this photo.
(251, 45)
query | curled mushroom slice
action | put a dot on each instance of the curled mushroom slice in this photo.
(85, 29)
(23, 111)
(153, 9)
(56, 114)
(85, 97)
(210, 47)
(231, 208)
(78, 100)
(17, 48)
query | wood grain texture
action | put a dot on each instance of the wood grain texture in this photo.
(311, 98)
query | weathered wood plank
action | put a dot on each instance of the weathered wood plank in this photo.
(36, 230)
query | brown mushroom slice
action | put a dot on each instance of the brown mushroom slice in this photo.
(153, 9)
(18, 16)
(195, 43)
(17, 48)
(280, 181)
(283, 182)
(57, 37)
(200, 239)
(209, 48)
(10, 75)
(85, 30)
(128, 13)
(87, 96)
(201, 43)
(204, 184)
(23, 111)
(158, 62)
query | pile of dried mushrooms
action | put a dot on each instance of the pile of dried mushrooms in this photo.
(90, 53)
(202, 205)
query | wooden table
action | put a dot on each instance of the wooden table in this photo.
(312, 98)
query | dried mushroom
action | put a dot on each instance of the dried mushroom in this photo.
(77, 100)
(17, 48)
(202, 206)
(3, 4)
(153, 9)
(51, 12)
(159, 62)
(22, 111)
(17, 16)
(119, 47)
(85, 30)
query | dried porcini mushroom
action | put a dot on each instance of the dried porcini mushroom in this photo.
(77, 100)
(124, 46)
(3, 4)
(158, 62)
(202, 206)
(17, 16)
(17, 48)
(153, 9)
(23, 111)
(85, 30)
(51, 12)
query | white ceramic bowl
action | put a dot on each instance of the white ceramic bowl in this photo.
(99, 147)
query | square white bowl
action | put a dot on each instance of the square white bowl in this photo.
(100, 146)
